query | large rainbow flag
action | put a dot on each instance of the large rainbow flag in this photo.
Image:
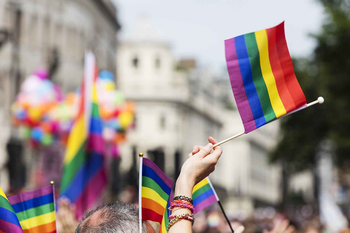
(262, 76)
(203, 195)
(155, 192)
(84, 175)
(8, 218)
(35, 210)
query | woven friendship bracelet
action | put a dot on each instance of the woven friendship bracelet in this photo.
(176, 218)
(181, 204)
(184, 198)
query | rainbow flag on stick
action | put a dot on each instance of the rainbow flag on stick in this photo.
(35, 210)
(8, 218)
(262, 77)
(84, 174)
(203, 195)
(155, 189)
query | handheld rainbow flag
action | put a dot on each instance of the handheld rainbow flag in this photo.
(35, 210)
(8, 218)
(262, 76)
(154, 194)
(203, 195)
(84, 175)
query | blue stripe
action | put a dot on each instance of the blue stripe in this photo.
(147, 171)
(96, 125)
(247, 76)
(85, 174)
(8, 216)
(32, 203)
(202, 197)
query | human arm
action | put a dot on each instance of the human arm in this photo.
(198, 166)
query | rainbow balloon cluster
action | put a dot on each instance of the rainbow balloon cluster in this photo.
(31, 110)
(116, 113)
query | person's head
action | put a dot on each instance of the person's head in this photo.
(115, 217)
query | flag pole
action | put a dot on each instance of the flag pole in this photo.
(52, 183)
(140, 192)
(320, 100)
(224, 213)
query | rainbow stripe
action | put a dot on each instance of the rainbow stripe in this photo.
(8, 218)
(156, 189)
(35, 210)
(262, 76)
(203, 195)
(84, 174)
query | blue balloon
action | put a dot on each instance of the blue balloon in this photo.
(37, 134)
(105, 74)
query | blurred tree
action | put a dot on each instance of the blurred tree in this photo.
(326, 73)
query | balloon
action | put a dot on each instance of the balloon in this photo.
(105, 74)
(34, 114)
(126, 119)
(37, 134)
(47, 140)
(24, 132)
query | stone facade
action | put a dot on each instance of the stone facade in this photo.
(64, 29)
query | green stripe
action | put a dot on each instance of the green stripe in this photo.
(149, 183)
(71, 169)
(253, 52)
(34, 212)
(200, 191)
(95, 112)
(4, 203)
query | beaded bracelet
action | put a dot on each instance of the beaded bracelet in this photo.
(176, 218)
(184, 198)
(181, 204)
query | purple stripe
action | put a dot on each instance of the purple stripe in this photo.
(238, 87)
(30, 195)
(96, 143)
(205, 203)
(91, 193)
(9, 227)
(156, 169)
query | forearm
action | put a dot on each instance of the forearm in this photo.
(183, 188)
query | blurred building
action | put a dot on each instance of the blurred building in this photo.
(53, 34)
(178, 105)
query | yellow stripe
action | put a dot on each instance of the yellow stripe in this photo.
(163, 228)
(76, 139)
(3, 194)
(37, 221)
(94, 93)
(200, 185)
(269, 78)
(153, 195)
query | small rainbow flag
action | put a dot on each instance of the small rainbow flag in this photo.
(84, 174)
(262, 76)
(155, 191)
(35, 210)
(203, 195)
(8, 218)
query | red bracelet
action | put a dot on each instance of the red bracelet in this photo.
(181, 204)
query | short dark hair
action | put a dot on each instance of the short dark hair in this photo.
(114, 218)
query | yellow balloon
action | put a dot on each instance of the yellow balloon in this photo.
(34, 114)
(125, 119)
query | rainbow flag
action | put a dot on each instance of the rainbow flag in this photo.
(35, 210)
(262, 76)
(8, 218)
(84, 175)
(203, 195)
(155, 191)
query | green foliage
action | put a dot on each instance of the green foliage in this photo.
(326, 74)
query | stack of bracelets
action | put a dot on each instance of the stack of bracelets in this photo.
(182, 202)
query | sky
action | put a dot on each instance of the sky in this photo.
(197, 28)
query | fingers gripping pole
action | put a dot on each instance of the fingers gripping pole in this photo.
(320, 100)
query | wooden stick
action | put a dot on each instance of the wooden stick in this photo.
(140, 192)
(320, 100)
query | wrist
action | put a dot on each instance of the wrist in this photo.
(184, 186)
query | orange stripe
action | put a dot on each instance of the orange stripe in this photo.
(277, 70)
(50, 227)
(152, 205)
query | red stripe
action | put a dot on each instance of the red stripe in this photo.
(282, 88)
(148, 214)
(287, 66)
